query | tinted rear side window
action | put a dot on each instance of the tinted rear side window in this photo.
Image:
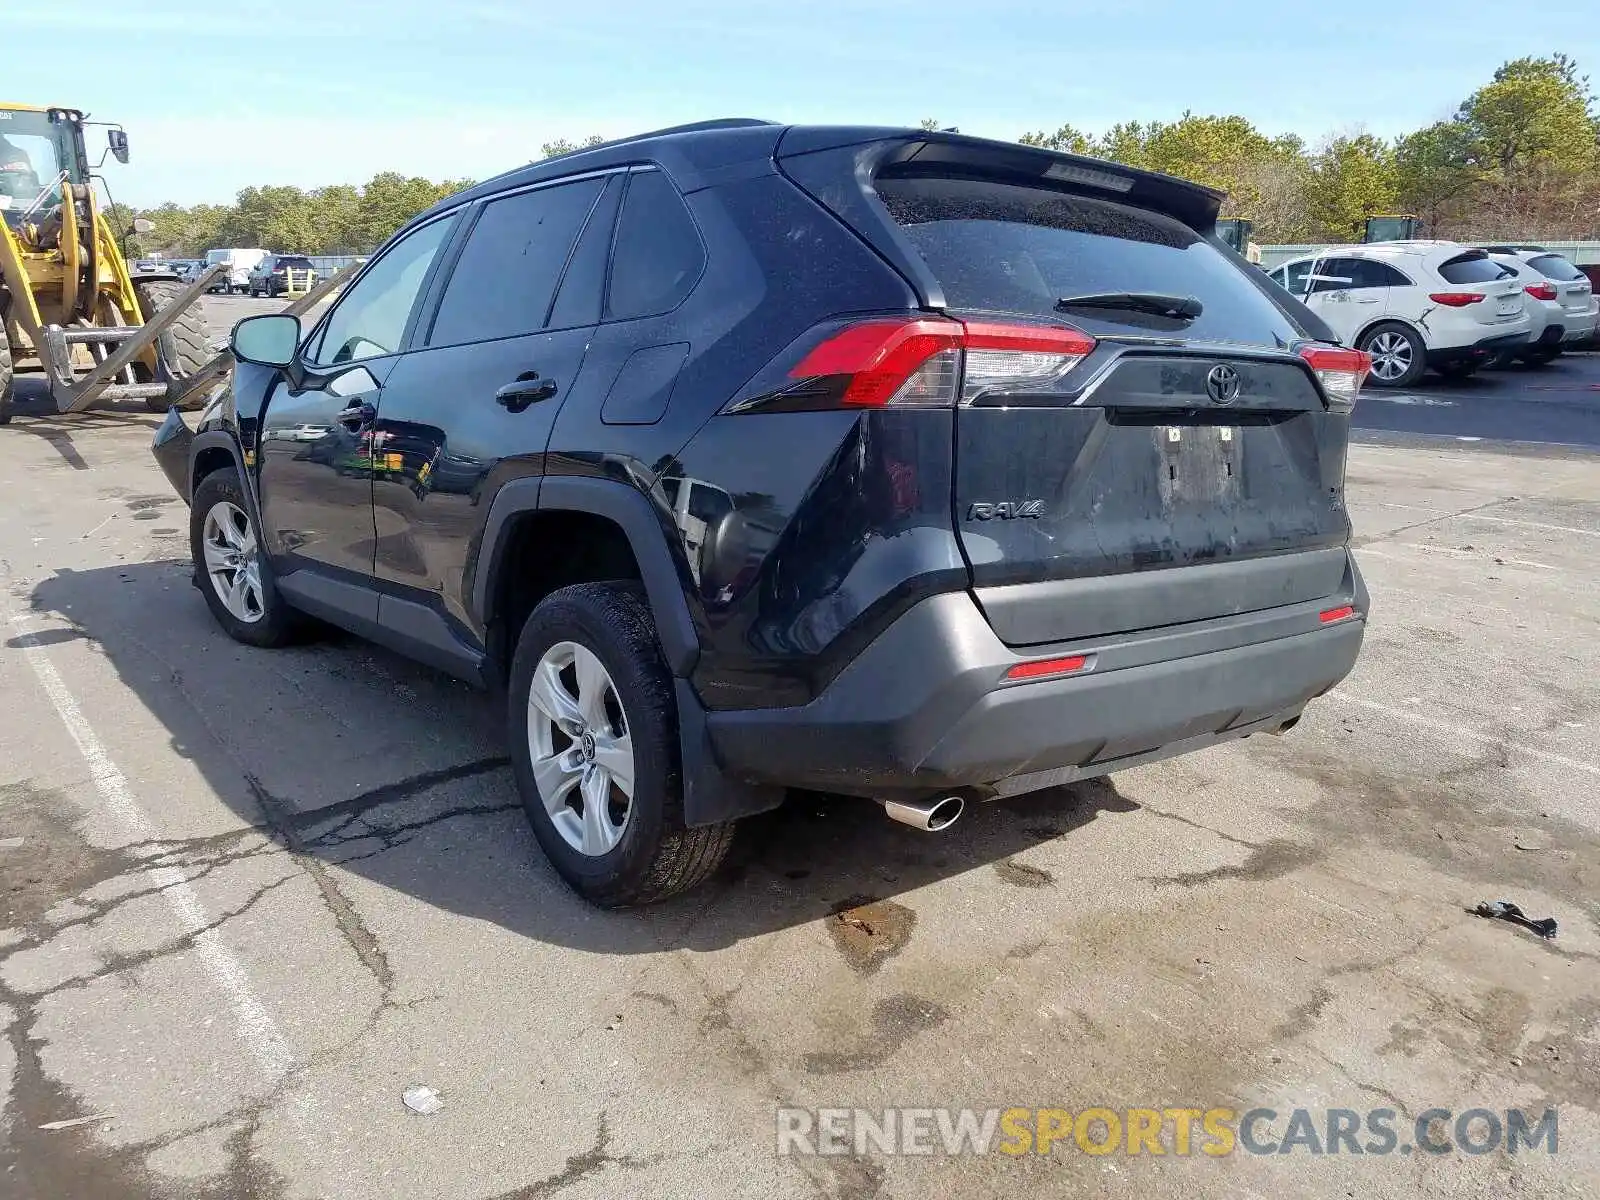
(1376, 274)
(1470, 269)
(1553, 266)
(1012, 248)
(658, 255)
(507, 274)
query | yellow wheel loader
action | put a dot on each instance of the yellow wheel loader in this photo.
(69, 306)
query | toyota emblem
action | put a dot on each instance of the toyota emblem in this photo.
(1222, 384)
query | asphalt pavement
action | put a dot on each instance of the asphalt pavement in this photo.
(252, 899)
(1555, 405)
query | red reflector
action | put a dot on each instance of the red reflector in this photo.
(1047, 666)
(1541, 291)
(1456, 299)
(1331, 615)
(881, 355)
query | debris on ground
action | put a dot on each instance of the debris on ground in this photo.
(422, 1100)
(76, 1121)
(1505, 910)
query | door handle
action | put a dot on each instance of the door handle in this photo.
(357, 416)
(526, 389)
(1366, 299)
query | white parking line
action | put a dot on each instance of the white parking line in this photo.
(256, 1027)
(1531, 524)
(1471, 735)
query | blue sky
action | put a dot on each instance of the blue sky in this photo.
(334, 91)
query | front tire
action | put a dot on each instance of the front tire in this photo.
(593, 727)
(1399, 356)
(232, 568)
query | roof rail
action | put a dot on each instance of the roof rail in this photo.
(692, 127)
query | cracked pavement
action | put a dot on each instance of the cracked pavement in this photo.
(333, 837)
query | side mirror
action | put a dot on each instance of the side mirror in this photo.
(143, 225)
(117, 139)
(269, 340)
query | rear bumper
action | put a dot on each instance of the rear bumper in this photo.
(1482, 349)
(1580, 327)
(927, 705)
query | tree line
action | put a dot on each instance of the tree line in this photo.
(1519, 158)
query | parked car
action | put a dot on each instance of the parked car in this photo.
(270, 277)
(239, 263)
(1580, 315)
(1414, 305)
(663, 435)
(1546, 314)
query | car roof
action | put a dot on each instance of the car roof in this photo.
(699, 155)
(1420, 248)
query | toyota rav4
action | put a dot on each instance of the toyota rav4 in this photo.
(898, 464)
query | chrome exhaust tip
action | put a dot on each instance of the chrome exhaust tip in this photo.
(930, 816)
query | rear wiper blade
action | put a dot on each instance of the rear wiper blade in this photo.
(1184, 308)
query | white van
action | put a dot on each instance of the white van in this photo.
(239, 263)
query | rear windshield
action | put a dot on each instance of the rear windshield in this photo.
(1474, 269)
(294, 262)
(1553, 266)
(1013, 248)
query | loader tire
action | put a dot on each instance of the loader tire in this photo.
(181, 350)
(7, 378)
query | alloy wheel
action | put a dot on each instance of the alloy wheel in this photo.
(581, 750)
(1391, 356)
(231, 561)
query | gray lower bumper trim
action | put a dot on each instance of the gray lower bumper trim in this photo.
(927, 704)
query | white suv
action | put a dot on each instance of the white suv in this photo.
(1574, 294)
(1414, 305)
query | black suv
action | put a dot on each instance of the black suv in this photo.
(271, 275)
(890, 463)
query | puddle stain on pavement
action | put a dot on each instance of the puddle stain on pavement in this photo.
(868, 932)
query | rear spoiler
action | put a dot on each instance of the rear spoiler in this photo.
(943, 153)
(836, 167)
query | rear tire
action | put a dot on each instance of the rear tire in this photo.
(1459, 369)
(231, 566)
(1399, 355)
(591, 649)
(181, 350)
(1541, 356)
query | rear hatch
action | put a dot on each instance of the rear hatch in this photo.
(1490, 291)
(1572, 285)
(1186, 467)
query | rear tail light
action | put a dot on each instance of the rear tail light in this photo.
(1456, 299)
(1330, 615)
(1541, 291)
(1013, 356)
(933, 362)
(1341, 371)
